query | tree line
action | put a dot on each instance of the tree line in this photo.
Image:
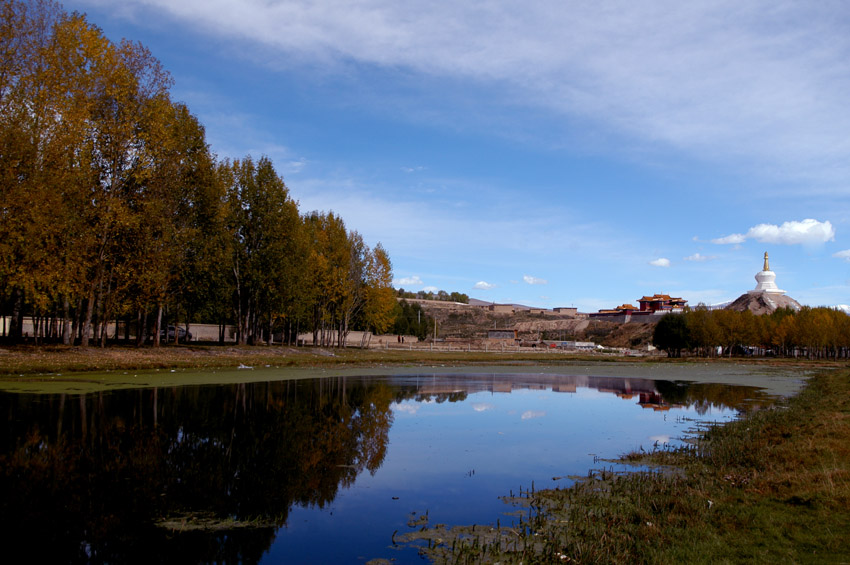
(440, 295)
(814, 333)
(113, 207)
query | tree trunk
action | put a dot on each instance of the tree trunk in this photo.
(158, 326)
(140, 327)
(85, 331)
(16, 331)
(66, 322)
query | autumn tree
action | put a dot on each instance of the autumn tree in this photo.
(380, 298)
(671, 334)
(113, 207)
(268, 250)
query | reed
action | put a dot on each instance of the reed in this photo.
(773, 487)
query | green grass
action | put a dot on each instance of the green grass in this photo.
(774, 487)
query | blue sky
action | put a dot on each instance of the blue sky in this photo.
(544, 153)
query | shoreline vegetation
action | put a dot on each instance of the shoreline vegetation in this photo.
(774, 486)
(771, 487)
(32, 360)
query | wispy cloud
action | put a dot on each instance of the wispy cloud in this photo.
(700, 258)
(660, 262)
(732, 239)
(482, 407)
(806, 232)
(483, 285)
(758, 82)
(843, 255)
(406, 227)
(408, 281)
(534, 280)
(532, 414)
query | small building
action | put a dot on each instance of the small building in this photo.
(651, 308)
(661, 303)
(623, 309)
(502, 308)
(580, 345)
(571, 311)
(537, 310)
(502, 334)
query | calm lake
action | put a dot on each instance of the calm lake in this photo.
(315, 470)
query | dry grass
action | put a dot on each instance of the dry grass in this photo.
(34, 360)
(31, 360)
(774, 487)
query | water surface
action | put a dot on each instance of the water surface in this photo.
(313, 470)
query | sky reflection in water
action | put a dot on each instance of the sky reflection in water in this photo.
(329, 468)
(454, 454)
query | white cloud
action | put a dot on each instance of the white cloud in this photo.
(408, 281)
(843, 255)
(483, 285)
(806, 232)
(430, 289)
(482, 407)
(294, 167)
(534, 280)
(406, 407)
(733, 239)
(758, 81)
(660, 262)
(406, 226)
(699, 258)
(532, 414)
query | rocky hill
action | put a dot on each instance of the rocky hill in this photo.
(762, 303)
(462, 321)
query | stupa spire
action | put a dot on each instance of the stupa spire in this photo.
(766, 280)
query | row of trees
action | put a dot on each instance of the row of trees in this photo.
(411, 319)
(441, 295)
(112, 206)
(819, 333)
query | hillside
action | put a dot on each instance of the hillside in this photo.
(464, 321)
(762, 303)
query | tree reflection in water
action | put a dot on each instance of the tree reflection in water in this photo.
(87, 478)
(209, 473)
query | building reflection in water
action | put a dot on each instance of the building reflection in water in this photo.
(113, 476)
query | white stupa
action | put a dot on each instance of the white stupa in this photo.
(766, 280)
(766, 297)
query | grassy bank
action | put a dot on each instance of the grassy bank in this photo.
(29, 360)
(774, 487)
